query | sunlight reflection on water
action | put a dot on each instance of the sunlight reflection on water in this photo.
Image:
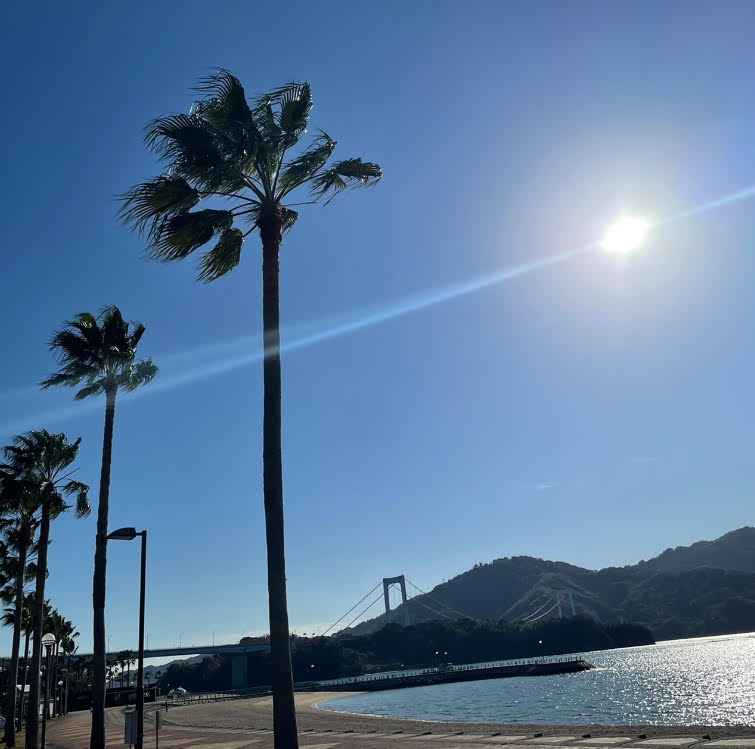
(706, 681)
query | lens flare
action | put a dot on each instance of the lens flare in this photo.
(625, 235)
(223, 356)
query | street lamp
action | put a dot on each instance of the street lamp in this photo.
(48, 643)
(129, 534)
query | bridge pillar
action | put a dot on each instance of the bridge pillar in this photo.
(401, 582)
(239, 676)
(565, 593)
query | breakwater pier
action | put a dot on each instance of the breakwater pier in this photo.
(448, 674)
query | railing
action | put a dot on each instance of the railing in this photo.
(220, 695)
(387, 675)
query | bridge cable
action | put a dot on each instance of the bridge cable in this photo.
(351, 609)
(546, 612)
(363, 612)
(536, 611)
(439, 613)
(442, 605)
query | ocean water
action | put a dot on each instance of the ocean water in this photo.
(702, 681)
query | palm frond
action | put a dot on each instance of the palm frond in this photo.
(143, 206)
(137, 331)
(345, 174)
(289, 217)
(307, 164)
(226, 107)
(181, 136)
(96, 388)
(70, 376)
(193, 150)
(114, 332)
(223, 257)
(295, 102)
(70, 345)
(139, 374)
(81, 493)
(227, 112)
(179, 236)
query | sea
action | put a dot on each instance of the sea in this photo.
(701, 681)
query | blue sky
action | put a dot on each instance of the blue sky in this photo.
(595, 411)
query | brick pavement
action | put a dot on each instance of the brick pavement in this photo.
(72, 732)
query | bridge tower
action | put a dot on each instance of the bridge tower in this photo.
(401, 582)
(561, 595)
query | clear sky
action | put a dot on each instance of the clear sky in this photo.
(596, 411)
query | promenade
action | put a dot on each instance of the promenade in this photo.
(247, 723)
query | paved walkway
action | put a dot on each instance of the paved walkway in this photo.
(72, 732)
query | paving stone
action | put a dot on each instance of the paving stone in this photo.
(437, 737)
(605, 740)
(549, 740)
(477, 737)
(219, 745)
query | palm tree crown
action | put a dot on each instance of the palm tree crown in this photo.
(100, 352)
(43, 458)
(241, 152)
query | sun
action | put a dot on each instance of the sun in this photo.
(625, 235)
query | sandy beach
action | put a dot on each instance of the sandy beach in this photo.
(257, 714)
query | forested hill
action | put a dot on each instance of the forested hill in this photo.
(733, 551)
(703, 589)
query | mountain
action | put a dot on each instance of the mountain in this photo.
(703, 589)
(733, 551)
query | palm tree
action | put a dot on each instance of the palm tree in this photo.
(64, 631)
(69, 647)
(99, 352)
(245, 154)
(20, 529)
(27, 615)
(129, 660)
(44, 462)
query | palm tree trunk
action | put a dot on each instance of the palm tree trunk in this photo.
(54, 683)
(284, 710)
(97, 738)
(26, 674)
(32, 710)
(10, 708)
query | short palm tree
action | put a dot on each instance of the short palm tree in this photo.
(246, 154)
(68, 647)
(21, 523)
(98, 353)
(44, 461)
(9, 620)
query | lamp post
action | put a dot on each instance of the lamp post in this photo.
(129, 534)
(48, 643)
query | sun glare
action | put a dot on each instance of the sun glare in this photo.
(625, 235)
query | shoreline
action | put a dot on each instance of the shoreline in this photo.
(256, 713)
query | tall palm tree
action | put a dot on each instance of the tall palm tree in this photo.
(44, 461)
(99, 352)
(246, 154)
(21, 523)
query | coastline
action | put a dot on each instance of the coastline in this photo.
(256, 713)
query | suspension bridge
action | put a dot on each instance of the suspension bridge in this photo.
(557, 603)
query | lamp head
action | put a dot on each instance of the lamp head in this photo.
(123, 534)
